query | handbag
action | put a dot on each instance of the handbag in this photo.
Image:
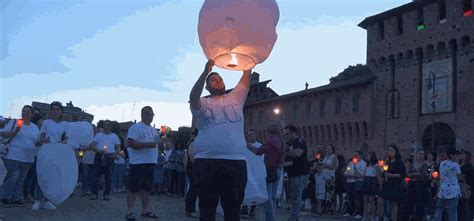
(465, 190)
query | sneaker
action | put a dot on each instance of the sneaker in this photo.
(6, 203)
(36, 205)
(49, 206)
(358, 216)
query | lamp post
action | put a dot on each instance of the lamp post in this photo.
(432, 86)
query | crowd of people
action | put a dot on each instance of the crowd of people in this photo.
(212, 169)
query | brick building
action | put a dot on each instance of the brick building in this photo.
(71, 113)
(421, 61)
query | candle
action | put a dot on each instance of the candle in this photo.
(385, 167)
(318, 156)
(81, 153)
(348, 168)
(407, 179)
(19, 123)
(381, 163)
(435, 175)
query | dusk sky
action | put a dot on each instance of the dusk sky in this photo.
(107, 55)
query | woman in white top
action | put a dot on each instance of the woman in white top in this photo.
(371, 185)
(52, 131)
(23, 136)
(328, 167)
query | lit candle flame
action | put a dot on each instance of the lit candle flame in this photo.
(385, 167)
(233, 61)
(435, 174)
(81, 153)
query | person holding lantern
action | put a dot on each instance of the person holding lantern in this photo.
(107, 148)
(219, 167)
(52, 131)
(394, 175)
(355, 184)
(24, 136)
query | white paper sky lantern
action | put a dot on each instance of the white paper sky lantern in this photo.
(238, 34)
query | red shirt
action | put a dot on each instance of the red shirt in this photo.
(273, 150)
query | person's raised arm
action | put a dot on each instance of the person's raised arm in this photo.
(245, 79)
(196, 92)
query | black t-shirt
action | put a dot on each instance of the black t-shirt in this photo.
(297, 166)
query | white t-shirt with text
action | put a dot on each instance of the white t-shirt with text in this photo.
(220, 122)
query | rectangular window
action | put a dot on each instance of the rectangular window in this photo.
(355, 103)
(381, 35)
(295, 111)
(322, 105)
(442, 11)
(308, 110)
(421, 20)
(338, 104)
(400, 24)
(467, 8)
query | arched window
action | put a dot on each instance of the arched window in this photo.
(392, 104)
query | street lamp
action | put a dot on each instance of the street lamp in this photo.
(432, 86)
(276, 111)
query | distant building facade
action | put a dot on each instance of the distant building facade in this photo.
(420, 58)
(71, 113)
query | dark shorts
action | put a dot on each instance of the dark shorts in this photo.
(141, 177)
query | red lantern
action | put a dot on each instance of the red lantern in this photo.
(19, 123)
(381, 163)
(355, 160)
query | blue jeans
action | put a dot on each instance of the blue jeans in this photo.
(87, 170)
(270, 205)
(450, 205)
(296, 185)
(117, 176)
(13, 184)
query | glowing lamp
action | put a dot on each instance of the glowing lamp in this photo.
(385, 167)
(81, 153)
(435, 175)
(19, 123)
(355, 160)
(238, 34)
(381, 163)
(276, 111)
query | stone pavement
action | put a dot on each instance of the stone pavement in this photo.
(82, 209)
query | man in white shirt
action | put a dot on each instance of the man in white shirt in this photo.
(355, 178)
(220, 169)
(143, 156)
